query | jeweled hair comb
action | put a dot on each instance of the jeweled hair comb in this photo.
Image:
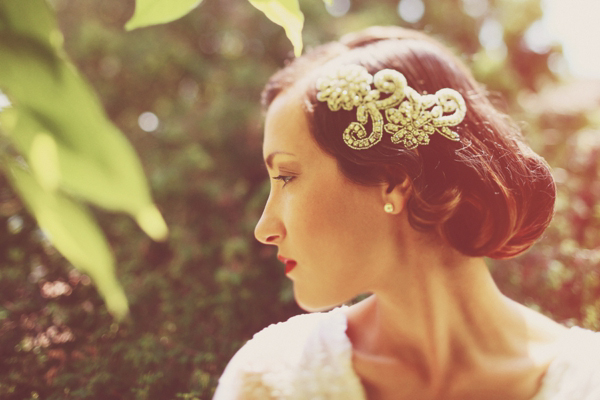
(408, 116)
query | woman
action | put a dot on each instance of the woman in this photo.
(393, 175)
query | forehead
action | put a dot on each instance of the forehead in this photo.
(286, 126)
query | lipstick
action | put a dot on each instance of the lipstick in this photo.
(289, 263)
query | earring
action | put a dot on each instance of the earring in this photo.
(388, 208)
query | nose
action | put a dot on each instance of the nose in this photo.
(270, 228)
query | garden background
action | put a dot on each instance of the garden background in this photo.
(186, 95)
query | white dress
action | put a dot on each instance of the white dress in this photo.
(309, 357)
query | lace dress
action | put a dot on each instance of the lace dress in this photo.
(309, 357)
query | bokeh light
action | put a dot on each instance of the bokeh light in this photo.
(411, 10)
(148, 121)
(491, 34)
(4, 102)
(338, 8)
(475, 8)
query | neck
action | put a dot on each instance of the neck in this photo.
(449, 316)
(438, 315)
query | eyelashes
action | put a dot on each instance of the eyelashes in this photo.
(284, 178)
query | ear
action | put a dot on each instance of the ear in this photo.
(396, 194)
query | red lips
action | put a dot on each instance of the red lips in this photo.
(289, 263)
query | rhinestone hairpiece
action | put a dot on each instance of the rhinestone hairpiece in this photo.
(409, 116)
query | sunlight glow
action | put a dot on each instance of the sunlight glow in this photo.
(575, 24)
(4, 102)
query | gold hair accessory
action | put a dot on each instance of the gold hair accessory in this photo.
(411, 118)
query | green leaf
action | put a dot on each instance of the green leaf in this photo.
(154, 12)
(74, 232)
(95, 161)
(43, 159)
(32, 19)
(71, 150)
(287, 14)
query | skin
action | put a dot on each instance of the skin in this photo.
(436, 326)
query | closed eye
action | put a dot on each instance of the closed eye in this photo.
(284, 178)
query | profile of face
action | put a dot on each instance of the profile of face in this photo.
(462, 193)
(334, 229)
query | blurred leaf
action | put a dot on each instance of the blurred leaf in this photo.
(152, 222)
(154, 12)
(43, 157)
(287, 14)
(32, 19)
(74, 232)
(95, 160)
(73, 150)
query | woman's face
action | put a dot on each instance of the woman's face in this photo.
(331, 227)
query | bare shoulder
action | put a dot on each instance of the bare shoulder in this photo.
(544, 336)
(540, 327)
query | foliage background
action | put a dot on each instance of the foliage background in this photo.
(196, 298)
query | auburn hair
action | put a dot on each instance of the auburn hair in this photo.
(488, 194)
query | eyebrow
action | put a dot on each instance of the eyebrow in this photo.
(269, 159)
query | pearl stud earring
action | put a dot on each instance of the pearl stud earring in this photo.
(388, 208)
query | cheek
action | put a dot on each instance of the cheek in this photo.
(312, 214)
(334, 216)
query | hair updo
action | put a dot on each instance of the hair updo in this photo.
(488, 194)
